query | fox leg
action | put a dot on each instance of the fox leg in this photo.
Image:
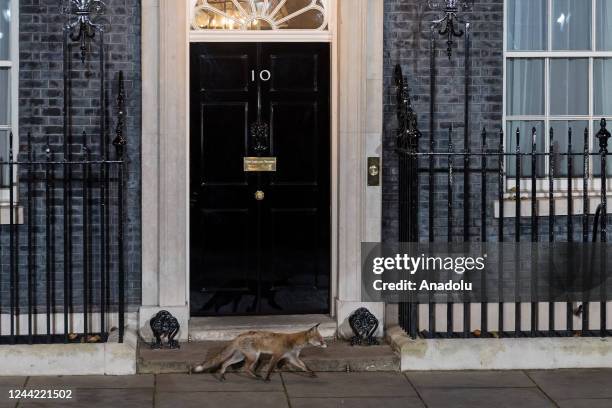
(296, 362)
(250, 364)
(235, 358)
(273, 362)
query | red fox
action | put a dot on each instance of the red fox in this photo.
(250, 345)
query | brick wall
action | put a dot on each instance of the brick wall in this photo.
(40, 103)
(406, 41)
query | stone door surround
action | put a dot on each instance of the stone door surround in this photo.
(357, 79)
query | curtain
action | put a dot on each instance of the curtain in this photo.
(571, 24)
(569, 86)
(527, 25)
(525, 86)
(602, 79)
(5, 31)
(604, 25)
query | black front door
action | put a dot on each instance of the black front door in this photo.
(260, 240)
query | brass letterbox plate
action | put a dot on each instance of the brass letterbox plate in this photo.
(259, 164)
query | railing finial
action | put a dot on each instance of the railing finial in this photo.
(408, 132)
(603, 135)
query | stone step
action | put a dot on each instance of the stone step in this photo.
(338, 356)
(228, 327)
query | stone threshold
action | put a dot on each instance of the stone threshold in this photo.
(228, 327)
(500, 354)
(339, 356)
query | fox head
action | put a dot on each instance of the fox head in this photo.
(315, 338)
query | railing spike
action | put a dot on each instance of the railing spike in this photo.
(119, 142)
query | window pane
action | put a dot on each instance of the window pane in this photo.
(228, 20)
(525, 87)
(560, 145)
(4, 156)
(604, 25)
(596, 159)
(5, 37)
(571, 25)
(602, 84)
(525, 129)
(304, 18)
(259, 15)
(569, 86)
(527, 25)
(5, 95)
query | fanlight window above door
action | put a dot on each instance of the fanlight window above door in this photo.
(260, 15)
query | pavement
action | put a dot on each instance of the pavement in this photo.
(525, 389)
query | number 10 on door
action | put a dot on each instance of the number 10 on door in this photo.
(264, 75)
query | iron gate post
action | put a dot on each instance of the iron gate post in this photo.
(603, 136)
(407, 146)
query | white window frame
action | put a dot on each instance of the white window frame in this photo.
(13, 66)
(559, 184)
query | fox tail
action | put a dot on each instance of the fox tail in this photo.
(215, 361)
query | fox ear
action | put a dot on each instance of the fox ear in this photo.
(316, 326)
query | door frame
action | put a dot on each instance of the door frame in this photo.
(357, 119)
(330, 36)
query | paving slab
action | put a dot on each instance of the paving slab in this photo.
(5, 401)
(469, 379)
(221, 399)
(586, 388)
(7, 384)
(575, 384)
(378, 402)
(209, 382)
(91, 381)
(338, 356)
(12, 381)
(348, 385)
(484, 397)
(585, 403)
(98, 398)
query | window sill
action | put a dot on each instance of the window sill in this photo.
(543, 204)
(5, 214)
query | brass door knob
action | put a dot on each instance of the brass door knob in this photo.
(259, 195)
(373, 170)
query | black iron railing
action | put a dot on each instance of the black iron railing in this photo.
(61, 240)
(519, 177)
